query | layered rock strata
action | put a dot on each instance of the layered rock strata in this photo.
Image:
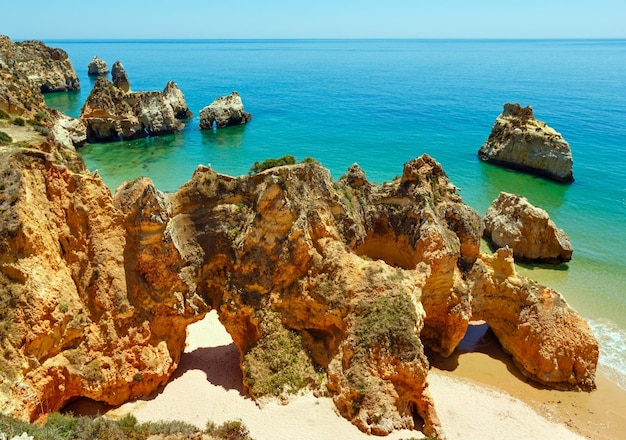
(112, 113)
(97, 67)
(224, 111)
(528, 230)
(321, 284)
(521, 142)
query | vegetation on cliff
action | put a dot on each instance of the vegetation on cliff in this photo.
(67, 427)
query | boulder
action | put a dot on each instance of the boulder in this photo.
(97, 67)
(521, 142)
(111, 113)
(225, 111)
(548, 340)
(119, 77)
(528, 230)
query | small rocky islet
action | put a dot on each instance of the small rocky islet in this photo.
(347, 283)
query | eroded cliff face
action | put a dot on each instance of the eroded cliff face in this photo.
(29, 69)
(335, 286)
(75, 322)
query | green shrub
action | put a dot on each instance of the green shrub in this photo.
(4, 115)
(18, 121)
(272, 163)
(5, 138)
(233, 430)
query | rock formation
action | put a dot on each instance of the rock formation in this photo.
(84, 311)
(548, 341)
(97, 67)
(111, 113)
(119, 76)
(519, 141)
(225, 111)
(21, 70)
(46, 68)
(320, 283)
(512, 221)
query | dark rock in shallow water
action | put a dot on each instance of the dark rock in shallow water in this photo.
(512, 221)
(225, 111)
(97, 67)
(521, 142)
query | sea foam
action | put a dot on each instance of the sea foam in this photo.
(612, 342)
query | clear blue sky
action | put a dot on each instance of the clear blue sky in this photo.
(114, 19)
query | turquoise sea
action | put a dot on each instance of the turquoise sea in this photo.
(381, 103)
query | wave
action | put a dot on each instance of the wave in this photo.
(612, 340)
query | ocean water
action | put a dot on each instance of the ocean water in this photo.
(380, 103)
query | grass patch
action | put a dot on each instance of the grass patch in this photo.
(67, 427)
(278, 363)
(272, 163)
(389, 323)
(5, 138)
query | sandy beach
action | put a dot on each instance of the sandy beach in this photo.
(477, 394)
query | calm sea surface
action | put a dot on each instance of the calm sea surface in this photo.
(381, 103)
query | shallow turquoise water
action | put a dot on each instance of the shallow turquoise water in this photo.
(381, 103)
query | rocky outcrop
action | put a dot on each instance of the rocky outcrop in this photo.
(530, 233)
(46, 68)
(97, 67)
(548, 341)
(521, 142)
(120, 77)
(111, 113)
(175, 98)
(336, 286)
(225, 111)
(84, 312)
(20, 94)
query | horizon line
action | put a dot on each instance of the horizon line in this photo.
(331, 39)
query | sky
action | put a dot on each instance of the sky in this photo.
(156, 19)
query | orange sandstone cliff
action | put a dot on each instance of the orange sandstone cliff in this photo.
(336, 286)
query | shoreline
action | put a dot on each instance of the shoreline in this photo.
(476, 393)
(479, 359)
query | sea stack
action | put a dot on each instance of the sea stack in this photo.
(519, 141)
(119, 76)
(513, 221)
(97, 67)
(225, 111)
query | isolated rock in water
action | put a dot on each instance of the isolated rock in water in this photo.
(119, 77)
(519, 141)
(175, 98)
(112, 114)
(512, 221)
(224, 112)
(97, 67)
(46, 68)
(547, 339)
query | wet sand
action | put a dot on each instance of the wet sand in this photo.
(599, 415)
